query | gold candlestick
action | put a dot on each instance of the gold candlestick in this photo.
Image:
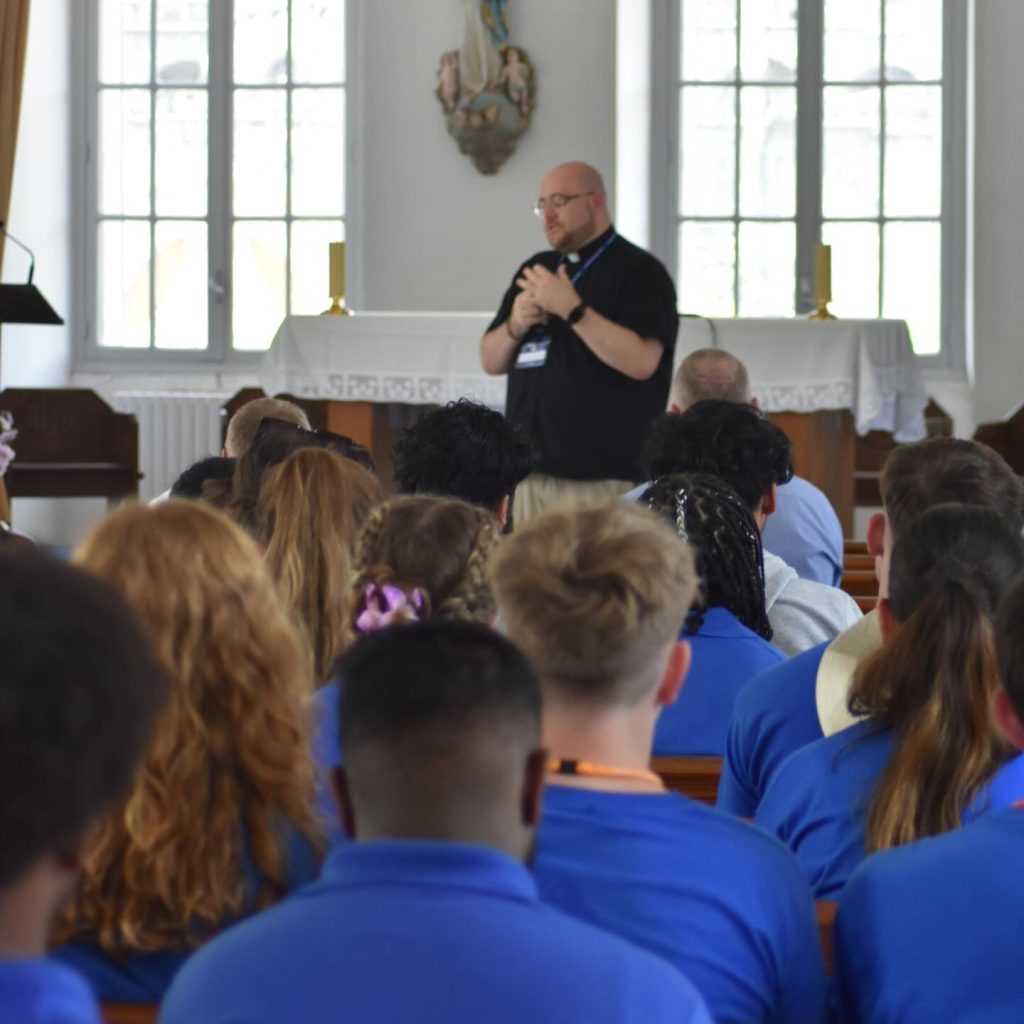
(822, 282)
(337, 281)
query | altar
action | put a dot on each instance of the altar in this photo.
(821, 380)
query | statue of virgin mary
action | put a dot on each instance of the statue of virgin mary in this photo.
(485, 28)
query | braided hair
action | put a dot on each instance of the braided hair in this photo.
(712, 518)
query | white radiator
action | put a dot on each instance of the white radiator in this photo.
(175, 429)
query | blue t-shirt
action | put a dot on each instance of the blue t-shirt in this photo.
(931, 931)
(327, 756)
(726, 655)
(774, 715)
(421, 932)
(721, 900)
(804, 531)
(42, 992)
(818, 800)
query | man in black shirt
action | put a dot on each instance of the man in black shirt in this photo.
(585, 333)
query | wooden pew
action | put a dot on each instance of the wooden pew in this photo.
(695, 777)
(129, 1013)
(866, 604)
(854, 547)
(71, 444)
(858, 563)
(1007, 438)
(860, 583)
(825, 912)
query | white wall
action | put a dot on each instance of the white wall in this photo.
(437, 234)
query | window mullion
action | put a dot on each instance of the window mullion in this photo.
(666, 57)
(219, 221)
(809, 106)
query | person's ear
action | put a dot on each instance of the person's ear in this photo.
(343, 801)
(875, 537)
(770, 501)
(675, 408)
(755, 403)
(677, 665)
(534, 775)
(1006, 720)
(500, 510)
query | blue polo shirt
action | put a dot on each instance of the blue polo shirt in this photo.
(721, 900)
(726, 656)
(42, 992)
(817, 802)
(327, 756)
(421, 932)
(932, 931)
(804, 531)
(774, 715)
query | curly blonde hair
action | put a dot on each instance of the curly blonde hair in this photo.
(310, 510)
(202, 836)
(440, 546)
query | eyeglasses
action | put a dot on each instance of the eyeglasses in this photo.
(556, 202)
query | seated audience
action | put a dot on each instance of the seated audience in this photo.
(804, 530)
(735, 442)
(430, 914)
(728, 629)
(220, 822)
(926, 758)
(595, 598)
(192, 481)
(463, 450)
(927, 932)
(805, 698)
(310, 509)
(79, 692)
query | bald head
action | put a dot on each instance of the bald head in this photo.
(584, 216)
(709, 373)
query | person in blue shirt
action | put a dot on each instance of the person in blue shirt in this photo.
(927, 757)
(595, 598)
(728, 629)
(805, 698)
(79, 691)
(926, 932)
(430, 914)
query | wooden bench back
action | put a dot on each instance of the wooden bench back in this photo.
(129, 1013)
(825, 912)
(695, 777)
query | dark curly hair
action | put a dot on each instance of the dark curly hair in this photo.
(726, 439)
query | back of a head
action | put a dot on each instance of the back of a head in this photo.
(592, 596)
(1010, 645)
(932, 682)
(244, 424)
(918, 476)
(711, 517)
(438, 546)
(232, 741)
(79, 691)
(463, 450)
(710, 373)
(191, 482)
(437, 721)
(726, 439)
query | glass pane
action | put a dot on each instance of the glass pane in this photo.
(913, 151)
(767, 269)
(767, 151)
(318, 41)
(708, 41)
(182, 46)
(768, 40)
(854, 268)
(123, 151)
(258, 272)
(310, 263)
(318, 152)
(124, 41)
(181, 289)
(850, 173)
(123, 284)
(259, 161)
(853, 34)
(261, 42)
(707, 258)
(913, 40)
(181, 152)
(707, 162)
(911, 287)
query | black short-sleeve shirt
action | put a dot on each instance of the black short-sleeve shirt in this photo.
(587, 420)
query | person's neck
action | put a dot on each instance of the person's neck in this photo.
(26, 912)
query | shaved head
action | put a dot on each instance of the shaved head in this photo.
(709, 373)
(584, 216)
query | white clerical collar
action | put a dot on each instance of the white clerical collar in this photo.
(572, 257)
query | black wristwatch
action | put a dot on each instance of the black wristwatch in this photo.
(577, 314)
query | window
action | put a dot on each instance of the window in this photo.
(215, 171)
(796, 121)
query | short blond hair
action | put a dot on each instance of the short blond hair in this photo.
(593, 595)
(243, 425)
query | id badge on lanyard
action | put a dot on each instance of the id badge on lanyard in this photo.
(534, 353)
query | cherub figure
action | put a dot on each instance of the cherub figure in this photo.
(515, 76)
(448, 81)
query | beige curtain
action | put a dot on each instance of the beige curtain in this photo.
(13, 37)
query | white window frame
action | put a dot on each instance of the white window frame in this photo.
(87, 355)
(665, 62)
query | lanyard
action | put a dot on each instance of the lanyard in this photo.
(582, 270)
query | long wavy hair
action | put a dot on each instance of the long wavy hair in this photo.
(310, 510)
(932, 682)
(202, 836)
(440, 546)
